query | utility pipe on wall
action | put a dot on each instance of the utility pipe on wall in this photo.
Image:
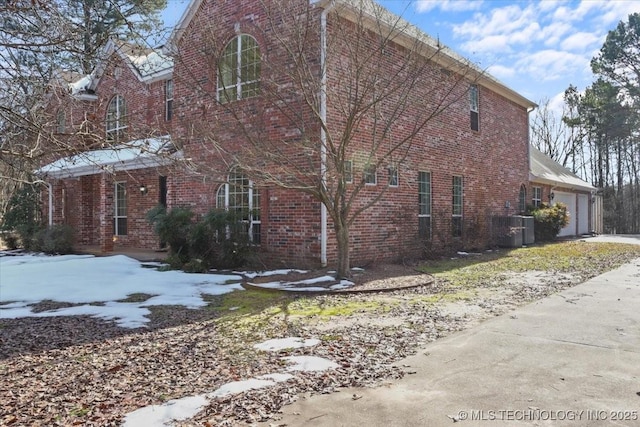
(323, 134)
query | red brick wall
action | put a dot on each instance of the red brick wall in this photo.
(493, 161)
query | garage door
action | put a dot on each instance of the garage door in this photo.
(583, 214)
(568, 199)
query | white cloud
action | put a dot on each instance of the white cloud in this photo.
(556, 104)
(548, 65)
(448, 5)
(580, 41)
(501, 72)
(554, 32)
(495, 44)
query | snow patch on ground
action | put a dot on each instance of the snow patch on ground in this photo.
(279, 344)
(100, 284)
(305, 285)
(310, 363)
(187, 407)
(165, 414)
(254, 274)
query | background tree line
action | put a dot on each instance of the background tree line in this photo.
(598, 134)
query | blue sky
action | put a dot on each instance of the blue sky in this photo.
(538, 48)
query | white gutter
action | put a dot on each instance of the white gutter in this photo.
(323, 134)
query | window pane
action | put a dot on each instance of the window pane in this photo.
(475, 121)
(457, 195)
(522, 198)
(456, 220)
(456, 223)
(424, 226)
(393, 176)
(424, 193)
(424, 205)
(239, 69)
(348, 171)
(473, 98)
(221, 196)
(369, 174)
(120, 209)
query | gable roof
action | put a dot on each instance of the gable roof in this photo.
(148, 65)
(377, 13)
(544, 170)
(138, 154)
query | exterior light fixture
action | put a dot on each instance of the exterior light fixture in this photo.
(143, 189)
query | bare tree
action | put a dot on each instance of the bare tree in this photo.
(40, 42)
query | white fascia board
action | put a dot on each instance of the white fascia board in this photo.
(561, 184)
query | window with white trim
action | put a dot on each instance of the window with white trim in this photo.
(536, 198)
(522, 198)
(168, 100)
(120, 209)
(424, 205)
(370, 175)
(238, 195)
(116, 121)
(393, 176)
(457, 207)
(239, 69)
(474, 107)
(348, 172)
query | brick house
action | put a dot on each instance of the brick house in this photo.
(116, 121)
(458, 170)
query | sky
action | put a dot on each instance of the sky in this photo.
(537, 48)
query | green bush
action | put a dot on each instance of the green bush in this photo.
(219, 239)
(549, 220)
(173, 227)
(55, 239)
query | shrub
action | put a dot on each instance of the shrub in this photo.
(219, 239)
(55, 239)
(549, 220)
(23, 216)
(224, 241)
(173, 227)
(10, 240)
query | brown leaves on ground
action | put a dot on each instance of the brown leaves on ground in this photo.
(65, 371)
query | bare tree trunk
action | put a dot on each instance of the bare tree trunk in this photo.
(343, 262)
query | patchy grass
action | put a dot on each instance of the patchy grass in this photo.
(329, 307)
(241, 303)
(586, 259)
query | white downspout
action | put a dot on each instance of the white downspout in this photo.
(50, 188)
(323, 135)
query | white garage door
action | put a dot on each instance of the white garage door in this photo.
(583, 214)
(568, 199)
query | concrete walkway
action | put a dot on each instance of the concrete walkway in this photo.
(570, 359)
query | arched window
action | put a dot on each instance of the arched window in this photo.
(239, 69)
(522, 199)
(239, 195)
(116, 122)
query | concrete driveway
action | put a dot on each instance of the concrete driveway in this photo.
(570, 359)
